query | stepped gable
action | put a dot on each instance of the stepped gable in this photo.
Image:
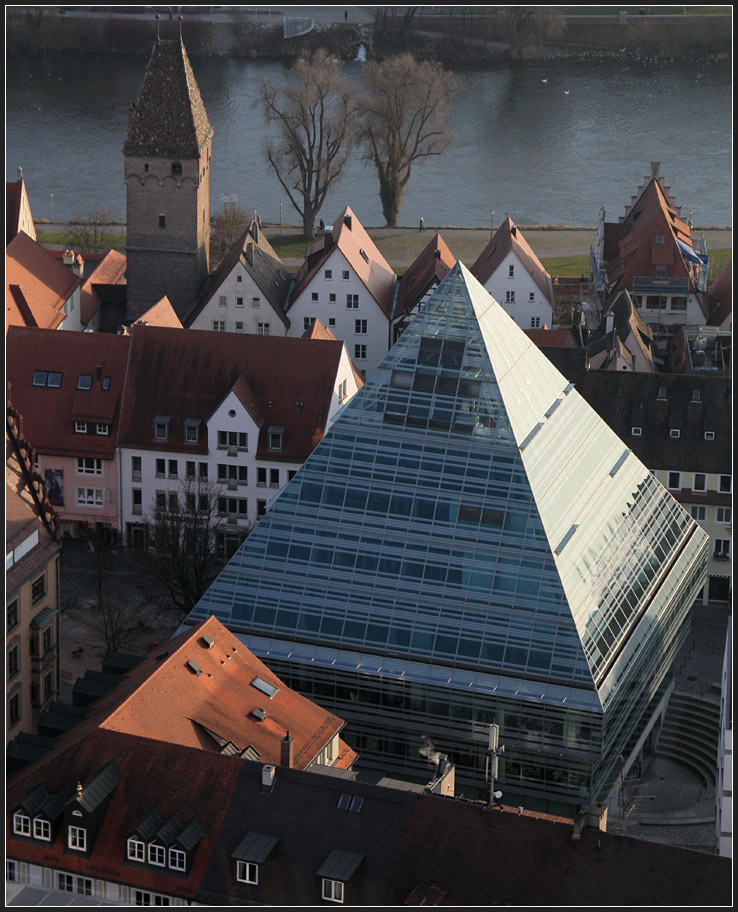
(494, 490)
(169, 119)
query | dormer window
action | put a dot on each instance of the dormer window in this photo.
(192, 430)
(276, 438)
(103, 430)
(21, 824)
(247, 872)
(157, 855)
(80, 427)
(41, 829)
(77, 838)
(135, 849)
(636, 431)
(84, 382)
(251, 852)
(161, 428)
(177, 860)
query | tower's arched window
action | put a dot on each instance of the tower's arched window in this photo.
(177, 169)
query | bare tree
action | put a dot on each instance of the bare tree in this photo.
(181, 559)
(91, 233)
(531, 26)
(226, 228)
(314, 114)
(113, 624)
(405, 119)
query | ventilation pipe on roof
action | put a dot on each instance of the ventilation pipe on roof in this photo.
(68, 258)
(437, 253)
(286, 751)
(79, 266)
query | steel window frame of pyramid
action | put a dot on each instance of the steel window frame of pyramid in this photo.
(470, 543)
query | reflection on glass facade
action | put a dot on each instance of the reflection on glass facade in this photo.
(470, 544)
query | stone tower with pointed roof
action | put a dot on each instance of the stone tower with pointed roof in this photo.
(471, 544)
(167, 173)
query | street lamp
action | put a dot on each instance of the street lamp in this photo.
(491, 224)
(280, 219)
(51, 198)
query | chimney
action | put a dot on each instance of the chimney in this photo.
(347, 220)
(327, 240)
(267, 778)
(20, 173)
(68, 258)
(655, 167)
(286, 751)
(79, 266)
(437, 254)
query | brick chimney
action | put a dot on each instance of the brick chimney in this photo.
(79, 265)
(286, 751)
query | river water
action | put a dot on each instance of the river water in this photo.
(548, 143)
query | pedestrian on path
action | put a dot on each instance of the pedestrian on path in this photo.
(422, 225)
(345, 15)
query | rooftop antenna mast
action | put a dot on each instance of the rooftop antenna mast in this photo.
(493, 755)
(157, 26)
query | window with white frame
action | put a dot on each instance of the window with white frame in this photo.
(352, 301)
(219, 326)
(68, 883)
(360, 352)
(161, 428)
(276, 438)
(222, 301)
(674, 433)
(102, 430)
(11, 870)
(698, 513)
(509, 297)
(77, 838)
(144, 898)
(41, 829)
(38, 588)
(177, 860)
(532, 297)
(722, 549)
(333, 890)
(342, 387)
(84, 382)
(235, 474)
(80, 427)
(192, 430)
(331, 300)
(511, 271)
(722, 515)
(535, 322)
(89, 497)
(256, 302)
(173, 468)
(21, 824)
(307, 322)
(239, 326)
(360, 327)
(89, 466)
(674, 480)
(65, 882)
(636, 431)
(239, 302)
(724, 484)
(709, 435)
(135, 849)
(262, 329)
(157, 855)
(232, 440)
(247, 872)
(136, 468)
(161, 468)
(699, 481)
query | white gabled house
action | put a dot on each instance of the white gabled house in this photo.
(514, 276)
(243, 417)
(248, 292)
(347, 284)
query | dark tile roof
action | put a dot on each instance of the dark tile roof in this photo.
(627, 327)
(169, 119)
(720, 296)
(278, 371)
(99, 788)
(431, 265)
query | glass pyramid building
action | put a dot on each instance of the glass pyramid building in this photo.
(469, 544)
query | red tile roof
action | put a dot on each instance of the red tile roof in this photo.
(152, 774)
(185, 374)
(508, 237)
(161, 314)
(168, 701)
(49, 413)
(431, 265)
(45, 285)
(111, 270)
(348, 236)
(554, 338)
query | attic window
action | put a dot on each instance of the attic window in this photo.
(709, 435)
(696, 395)
(364, 254)
(674, 433)
(350, 803)
(84, 382)
(265, 687)
(106, 383)
(636, 431)
(276, 438)
(192, 430)
(659, 239)
(161, 428)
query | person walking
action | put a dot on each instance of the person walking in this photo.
(345, 15)
(422, 224)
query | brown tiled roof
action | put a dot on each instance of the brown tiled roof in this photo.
(550, 338)
(111, 270)
(45, 285)
(509, 237)
(48, 413)
(169, 701)
(258, 258)
(169, 119)
(720, 296)
(431, 265)
(186, 373)
(161, 314)
(349, 236)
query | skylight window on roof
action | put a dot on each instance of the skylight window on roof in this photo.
(106, 383)
(39, 378)
(265, 687)
(364, 254)
(348, 802)
(84, 382)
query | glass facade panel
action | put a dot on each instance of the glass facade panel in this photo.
(436, 566)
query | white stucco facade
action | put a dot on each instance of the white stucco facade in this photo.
(515, 290)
